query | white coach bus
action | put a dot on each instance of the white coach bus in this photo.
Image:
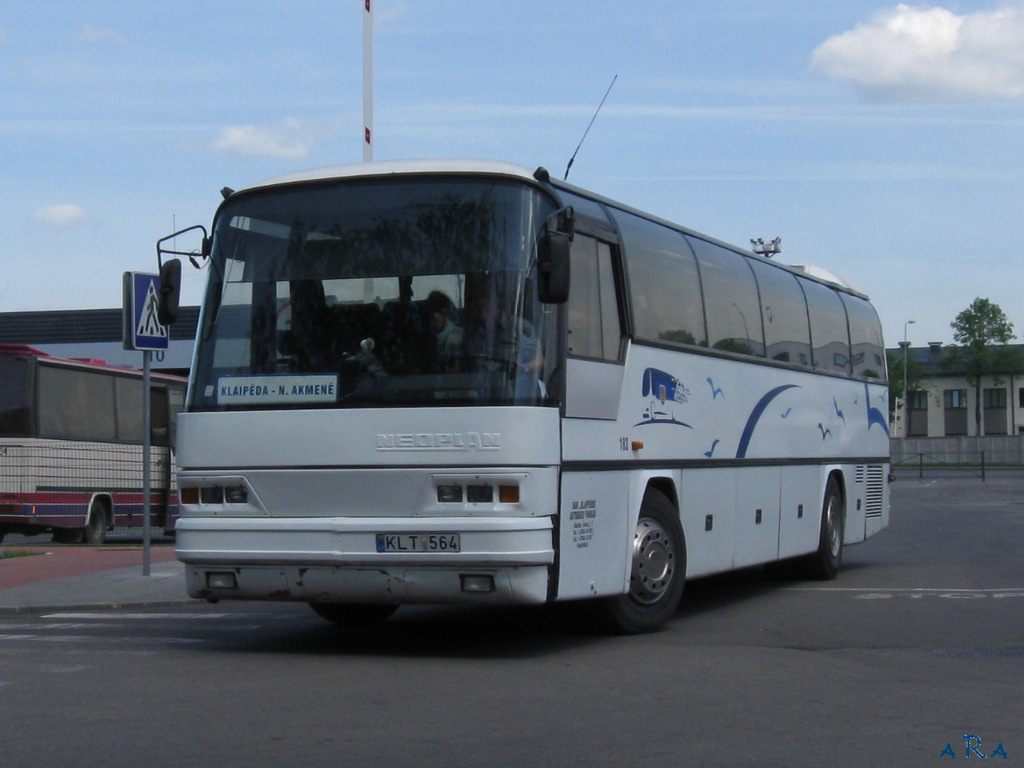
(465, 382)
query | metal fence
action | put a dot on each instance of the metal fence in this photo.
(941, 464)
(998, 451)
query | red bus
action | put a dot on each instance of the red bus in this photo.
(71, 444)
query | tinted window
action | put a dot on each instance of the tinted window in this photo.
(583, 206)
(865, 338)
(663, 282)
(784, 314)
(829, 334)
(385, 291)
(129, 409)
(730, 300)
(14, 397)
(76, 405)
(594, 327)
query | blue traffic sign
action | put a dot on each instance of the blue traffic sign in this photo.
(142, 328)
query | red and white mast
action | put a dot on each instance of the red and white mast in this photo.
(368, 82)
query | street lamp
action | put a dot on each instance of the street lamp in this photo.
(906, 399)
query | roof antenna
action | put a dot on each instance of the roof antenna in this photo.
(573, 158)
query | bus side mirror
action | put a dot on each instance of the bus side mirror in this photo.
(170, 271)
(170, 291)
(553, 257)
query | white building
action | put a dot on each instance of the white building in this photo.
(943, 403)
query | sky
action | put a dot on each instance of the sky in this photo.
(880, 141)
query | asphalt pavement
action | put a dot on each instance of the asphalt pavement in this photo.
(41, 578)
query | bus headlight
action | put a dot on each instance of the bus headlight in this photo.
(211, 494)
(449, 494)
(236, 494)
(477, 489)
(479, 494)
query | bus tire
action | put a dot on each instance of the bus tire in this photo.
(353, 614)
(95, 531)
(823, 564)
(657, 571)
(67, 535)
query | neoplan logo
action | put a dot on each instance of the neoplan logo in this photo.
(439, 441)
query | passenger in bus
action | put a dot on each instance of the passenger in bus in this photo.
(450, 337)
(498, 340)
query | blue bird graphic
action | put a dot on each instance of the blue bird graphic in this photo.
(838, 412)
(715, 391)
(824, 432)
(785, 413)
(714, 445)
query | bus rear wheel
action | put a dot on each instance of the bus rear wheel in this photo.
(823, 564)
(353, 614)
(658, 571)
(95, 531)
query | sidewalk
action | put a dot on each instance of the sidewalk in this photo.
(63, 577)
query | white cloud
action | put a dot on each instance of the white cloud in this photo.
(928, 53)
(389, 15)
(90, 34)
(292, 140)
(61, 216)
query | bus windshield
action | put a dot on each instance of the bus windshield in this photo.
(376, 292)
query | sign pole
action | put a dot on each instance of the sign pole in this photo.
(144, 332)
(147, 480)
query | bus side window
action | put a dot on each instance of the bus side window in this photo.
(784, 313)
(595, 329)
(865, 338)
(730, 299)
(664, 284)
(830, 335)
(159, 415)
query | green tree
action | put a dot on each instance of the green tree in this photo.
(981, 333)
(915, 375)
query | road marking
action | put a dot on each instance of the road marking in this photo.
(134, 616)
(956, 593)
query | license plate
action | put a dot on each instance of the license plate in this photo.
(418, 542)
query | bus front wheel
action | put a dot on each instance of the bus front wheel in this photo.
(353, 614)
(658, 571)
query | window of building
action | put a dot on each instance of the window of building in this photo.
(954, 398)
(917, 425)
(994, 398)
(955, 411)
(918, 400)
(994, 403)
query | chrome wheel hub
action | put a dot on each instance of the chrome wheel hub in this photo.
(654, 561)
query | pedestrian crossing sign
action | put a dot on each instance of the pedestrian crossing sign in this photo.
(142, 328)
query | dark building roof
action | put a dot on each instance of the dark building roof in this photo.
(80, 325)
(937, 360)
